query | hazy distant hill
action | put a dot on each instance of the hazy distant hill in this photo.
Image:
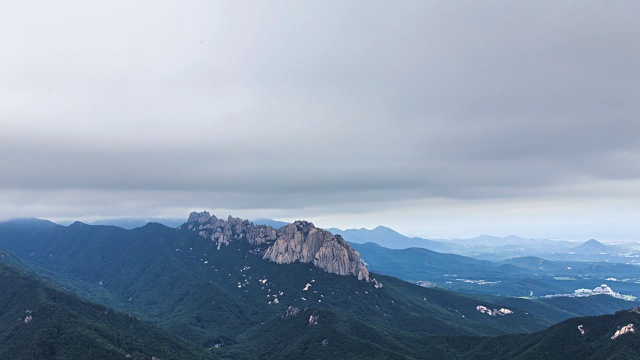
(524, 276)
(391, 239)
(593, 246)
(269, 222)
(132, 223)
(494, 248)
(414, 264)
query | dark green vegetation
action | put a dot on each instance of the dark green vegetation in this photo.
(561, 341)
(40, 322)
(512, 277)
(224, 301)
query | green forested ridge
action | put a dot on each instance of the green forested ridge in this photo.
(40, 322)
(562, 341)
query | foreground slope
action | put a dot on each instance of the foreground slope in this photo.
(40, 322)
(597, 337)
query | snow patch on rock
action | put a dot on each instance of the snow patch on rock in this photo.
(493, 312)
(624, 330)
(313, 319)
(306, 287)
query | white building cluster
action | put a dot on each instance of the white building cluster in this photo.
(600, 290)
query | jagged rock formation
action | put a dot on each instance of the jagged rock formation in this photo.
(300, 241)
(493, 312)
(223, 232)
(624, 330)
(290, 312)
(313, 319)
(303, 242)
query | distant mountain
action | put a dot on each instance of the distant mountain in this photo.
(40, 322)
(415, 264)
(27, 223)
(593, 246)
(525, 276)
(132, 223)
(269, 222)
(390, 238)
(484, 247)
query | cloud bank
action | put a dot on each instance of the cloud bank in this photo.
(330, 110)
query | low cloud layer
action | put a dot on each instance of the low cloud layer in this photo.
(323, 110)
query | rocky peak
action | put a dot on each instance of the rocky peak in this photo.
(290, 312)
(300, 241)
(303, 242)
(223, 232)
(303, 226)
(200, 217)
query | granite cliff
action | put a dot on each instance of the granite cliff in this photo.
(300, 241)
(223, 232)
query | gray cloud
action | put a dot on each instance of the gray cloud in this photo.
(320, 108)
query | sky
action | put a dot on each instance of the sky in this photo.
(439, 119)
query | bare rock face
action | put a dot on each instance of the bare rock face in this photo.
(263, 234)
(223, 232)
(290, 312)
(623, 330)
(303, 242)
(300, 241)
(313, 319)
(200, 218)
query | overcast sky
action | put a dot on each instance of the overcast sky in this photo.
(436, 118)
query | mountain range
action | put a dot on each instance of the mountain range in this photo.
(530, 277)
(234, 289)
(487, 247)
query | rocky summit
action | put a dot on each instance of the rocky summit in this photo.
(223, 232)
(300, 241)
